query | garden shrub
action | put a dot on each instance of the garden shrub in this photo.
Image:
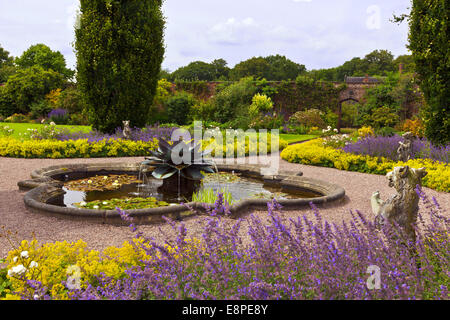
(40, 109)
(261, 103)
(308, 118)
(416, 127)
(385, 132)
(71, 100)
(383, 117)
(18, 118)
(315, 153)
(234, 100)
(178, 107)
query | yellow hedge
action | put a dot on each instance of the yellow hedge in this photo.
(10, 147)
(315, 153)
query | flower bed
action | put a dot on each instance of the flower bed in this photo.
(387, 147)
(55, 149)
(296, 259)
(316, 154)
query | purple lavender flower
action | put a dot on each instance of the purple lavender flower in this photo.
(387, 147)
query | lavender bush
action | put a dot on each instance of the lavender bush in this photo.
(286, 259)
(59, 116)
(387, 147)
(146, 134)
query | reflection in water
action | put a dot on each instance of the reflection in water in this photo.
(244, 188)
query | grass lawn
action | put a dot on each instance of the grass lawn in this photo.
(290, 138)
(22, 127)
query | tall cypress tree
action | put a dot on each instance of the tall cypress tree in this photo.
(119, 46)
(429, 43)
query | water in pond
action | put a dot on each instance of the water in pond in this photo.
(239, 187)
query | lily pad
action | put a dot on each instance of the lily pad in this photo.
(221, 177)
(101, 183)
(123, 203)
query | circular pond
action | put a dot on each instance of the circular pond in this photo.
(91, 192)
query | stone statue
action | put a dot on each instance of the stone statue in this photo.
(404, 150)
(126, 129)
(402, 207)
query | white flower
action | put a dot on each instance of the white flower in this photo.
(95, 207)
(34, 264)
(104, 202)
(52, 123)
(43, 120)
(36, 297)
(335, 130)
(15, 259)
(24, 254)
(83, 204)
(18, 270)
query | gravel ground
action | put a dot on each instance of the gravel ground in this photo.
(25, 225)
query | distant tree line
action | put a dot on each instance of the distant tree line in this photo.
(279, 68)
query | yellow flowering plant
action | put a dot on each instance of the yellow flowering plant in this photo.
(315, 153)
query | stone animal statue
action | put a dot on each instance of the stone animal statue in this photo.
(402, 207)
(404, 150)
(126, 129)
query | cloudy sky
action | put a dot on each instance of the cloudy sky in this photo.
(316, 33)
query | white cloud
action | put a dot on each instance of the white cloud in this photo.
(246, 31)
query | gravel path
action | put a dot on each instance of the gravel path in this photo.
(14, 216)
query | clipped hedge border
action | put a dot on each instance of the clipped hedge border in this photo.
(55, 149)
(316, 154)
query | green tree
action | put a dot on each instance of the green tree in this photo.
(256, 67)
(28, 86)
(429, 44)
(119, 47)
(378, 62)
(42, 56)
(221, 70)
(281, 68)
(194, 71)
(6, 65)
(272, 68)
(408, 63)
(202, 71)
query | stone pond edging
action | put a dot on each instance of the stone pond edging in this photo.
(46, 186)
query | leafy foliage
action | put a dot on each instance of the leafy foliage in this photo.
(202, 71)
(178, 107)
(119, 48)
(272, 68)
(42, 56)
(27, 86)
(428, 42)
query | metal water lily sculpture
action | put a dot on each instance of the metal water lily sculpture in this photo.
(165, 168)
